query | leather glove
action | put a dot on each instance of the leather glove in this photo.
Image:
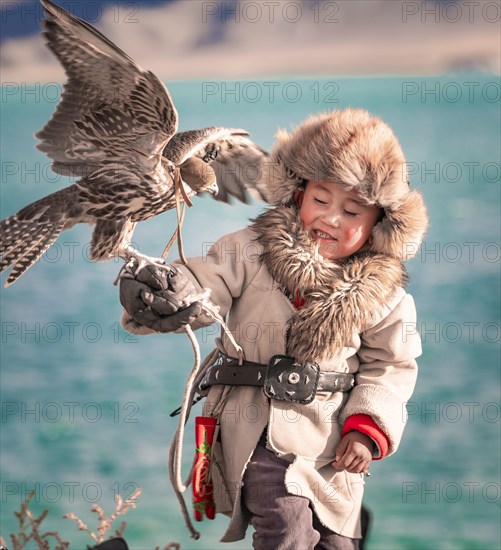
(159, 298)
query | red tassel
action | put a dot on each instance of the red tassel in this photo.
(298, 302)
(203, 502)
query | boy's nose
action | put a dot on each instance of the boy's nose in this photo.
(332, 219)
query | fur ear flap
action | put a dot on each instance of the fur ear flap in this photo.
(401, 231)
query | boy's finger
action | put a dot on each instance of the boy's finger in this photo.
(347, 463)
(341, 448)
(356, 467)
(349, 460)
(340, 463)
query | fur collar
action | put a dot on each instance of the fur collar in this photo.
(341, 297)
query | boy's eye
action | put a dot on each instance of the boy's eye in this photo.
(319, 201)
(349, 213)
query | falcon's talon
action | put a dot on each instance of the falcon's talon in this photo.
(123, 273)
(135, 261)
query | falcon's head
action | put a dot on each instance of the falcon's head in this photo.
(199, 175)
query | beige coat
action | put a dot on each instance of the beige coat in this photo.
(357, 317)
(382, 358)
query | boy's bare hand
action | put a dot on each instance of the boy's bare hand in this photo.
(354, 453)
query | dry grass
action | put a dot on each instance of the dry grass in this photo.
(29, 526)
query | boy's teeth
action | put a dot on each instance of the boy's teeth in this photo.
(323, 235)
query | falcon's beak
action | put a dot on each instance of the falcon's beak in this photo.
(213, 188)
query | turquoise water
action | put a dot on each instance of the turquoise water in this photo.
(85, 407)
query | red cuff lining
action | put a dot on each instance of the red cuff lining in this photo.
(363, 423)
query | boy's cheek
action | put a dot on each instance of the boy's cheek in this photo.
(352, 235)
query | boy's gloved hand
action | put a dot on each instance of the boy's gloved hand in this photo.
(159, 298)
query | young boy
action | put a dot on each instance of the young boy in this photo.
(318, 280)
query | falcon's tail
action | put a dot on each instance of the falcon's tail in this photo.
(25, 236)
(22, 243)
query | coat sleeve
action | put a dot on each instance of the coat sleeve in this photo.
(132, 326)
(226, 270)
(387, 372)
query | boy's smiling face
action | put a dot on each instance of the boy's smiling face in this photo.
(336, 218)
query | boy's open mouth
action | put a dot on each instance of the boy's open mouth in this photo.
(321, 235)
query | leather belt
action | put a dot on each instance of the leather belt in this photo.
(282, 378)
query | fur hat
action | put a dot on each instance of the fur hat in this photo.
(360, 152)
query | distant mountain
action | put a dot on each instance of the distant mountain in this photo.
(235, 39)
(20, 19)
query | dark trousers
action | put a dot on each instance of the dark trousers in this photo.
(283, 521)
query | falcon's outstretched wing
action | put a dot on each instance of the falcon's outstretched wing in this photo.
(237, 161)
(111, 110)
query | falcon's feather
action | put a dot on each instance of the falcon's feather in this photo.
(110, 110)
(115, 128)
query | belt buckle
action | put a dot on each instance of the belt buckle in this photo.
(288, 380)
